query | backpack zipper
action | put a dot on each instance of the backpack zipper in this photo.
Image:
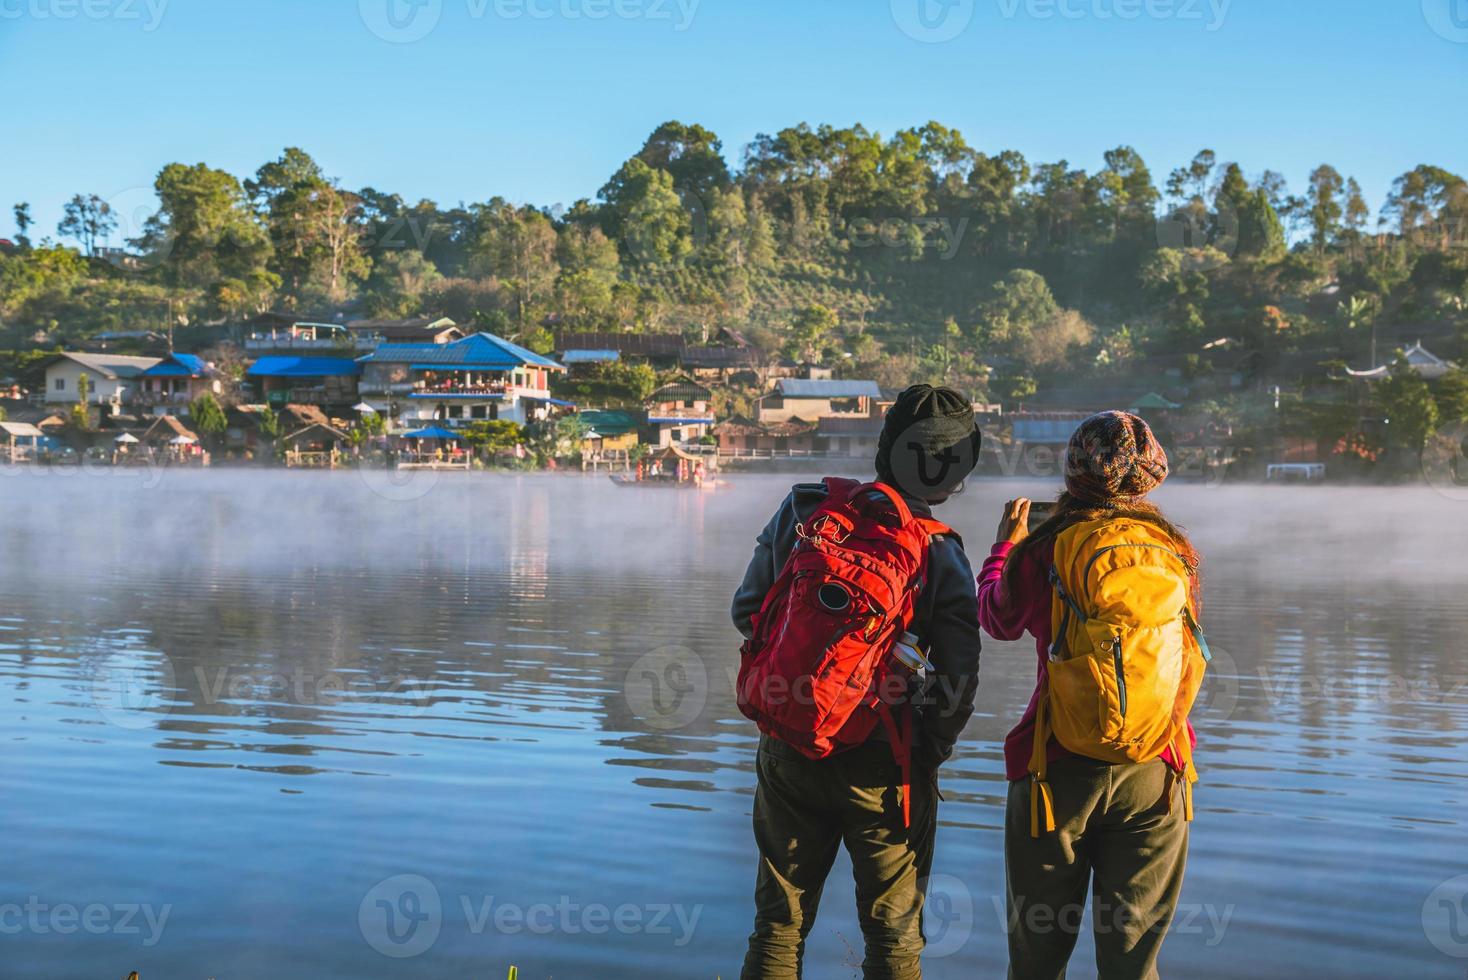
(1120, 675)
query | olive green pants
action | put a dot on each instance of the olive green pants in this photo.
(1113, 832)
(804, 810)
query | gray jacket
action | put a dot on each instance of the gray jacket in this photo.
(946, 619)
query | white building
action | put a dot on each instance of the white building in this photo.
(111, 378)
(479, 377)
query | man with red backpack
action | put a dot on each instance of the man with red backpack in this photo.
(860, 666)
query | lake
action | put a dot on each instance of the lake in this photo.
(326, 725)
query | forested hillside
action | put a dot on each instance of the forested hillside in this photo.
(902, 257)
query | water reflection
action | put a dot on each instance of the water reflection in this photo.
(524, 686)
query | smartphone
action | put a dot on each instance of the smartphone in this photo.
(1040, 512)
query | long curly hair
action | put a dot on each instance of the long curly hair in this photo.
(1069, 510)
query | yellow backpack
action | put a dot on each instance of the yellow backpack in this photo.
(1127, 658)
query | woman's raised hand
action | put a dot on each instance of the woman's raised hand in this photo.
(1014, 525)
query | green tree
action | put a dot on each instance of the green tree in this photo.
(518, 245)
(490, 436)
(88, 219)
(208, 418)
(1451, 394)
(204, 231)
(400, 281)
(692, 155)
(1429, 204)
(1407, 402)
(810, 329)
(645, 213)
(23, 222)
(81, 414)
(315, 227)
(1325, 208)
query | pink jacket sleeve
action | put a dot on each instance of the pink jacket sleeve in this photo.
(999, 614)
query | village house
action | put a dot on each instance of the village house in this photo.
(608, 430)
(844, 436)
(170, 385)
(19, 441)
(1421, 361)
(479, 377)
(416, 330)
(272, 336)
(112, 379)
(810, 399)
(661, 350)
(330, 382)
(679, 412)
(740, 436)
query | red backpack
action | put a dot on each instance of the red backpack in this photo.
(817, 672)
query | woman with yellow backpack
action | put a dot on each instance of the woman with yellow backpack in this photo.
(1101, 765)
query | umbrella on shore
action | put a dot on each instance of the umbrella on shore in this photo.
(182, 441)
(362, 408)
(432, 432)
(126, 439)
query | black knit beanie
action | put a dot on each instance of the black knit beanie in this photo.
(929, 442)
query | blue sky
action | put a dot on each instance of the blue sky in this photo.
(540, 100)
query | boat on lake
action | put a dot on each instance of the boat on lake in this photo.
(672, 468)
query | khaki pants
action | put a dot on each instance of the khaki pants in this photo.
(804, 810)
(1113, 833)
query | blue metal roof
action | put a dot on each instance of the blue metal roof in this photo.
(484, 351)
(806, 388)
(591, 356)
(178, 366)
(303, 367)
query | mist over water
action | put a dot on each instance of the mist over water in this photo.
(267, 702)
